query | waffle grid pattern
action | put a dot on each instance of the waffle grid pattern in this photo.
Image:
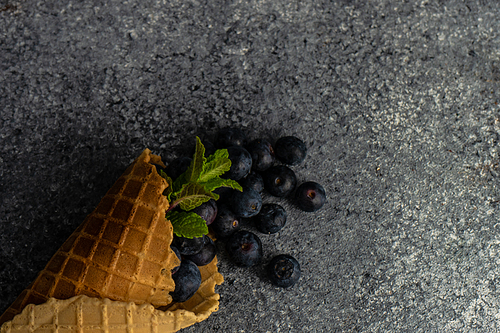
(121, 251)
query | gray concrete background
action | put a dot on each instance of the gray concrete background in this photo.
(396, 100)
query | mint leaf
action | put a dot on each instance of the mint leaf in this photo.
(168, 191)
(192, 195)
(216, 165)
(215, 183)
(195, 187)
(196, 167)
(187, 224)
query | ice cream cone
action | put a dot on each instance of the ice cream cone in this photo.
(85, 314)
(120, 252)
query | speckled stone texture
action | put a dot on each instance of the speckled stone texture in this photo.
(397, 102)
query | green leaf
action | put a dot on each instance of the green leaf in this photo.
(216, 165)
(168, 191)
(192, 195)
(196, 167)
(187, 224)
(217, 182)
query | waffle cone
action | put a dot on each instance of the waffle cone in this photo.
(90, 314)
(120, 254)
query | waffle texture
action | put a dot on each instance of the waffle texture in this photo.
(90, 314)
(121, 251)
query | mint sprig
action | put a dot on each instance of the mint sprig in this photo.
(195, 187)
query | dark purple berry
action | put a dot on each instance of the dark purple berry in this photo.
(284, 270)
(246, 203)
(290, 150)
(178, 254)
(254, 181)
(310, 196)
(244, 248)
(271, 219)
(262, 154)
(178, 166)
(188, 246)
(230, 136)
(279, 180)
(206, 255)
(207, 211)
(226, 222)
(241, 163)
(187, 281)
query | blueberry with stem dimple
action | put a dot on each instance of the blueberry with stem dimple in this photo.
(244, 248)
(310, 196)
(284, 270)
(226, 222)
(246, 203)
(279, 180)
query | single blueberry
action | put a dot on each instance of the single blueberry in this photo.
(206, 255)
(279, 180)
(290, 150)
(254, 181)
(262, 154)
(178, 166)
(178, 254)
(244, 248)
(310, 196)
(230, 136)
(188, 246)
(241, 163)
(284, 270)
(226, 222)
(207, 211)
(246, 203)
(271, 219)
(187, 281)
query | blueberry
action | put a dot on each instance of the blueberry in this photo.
(187, 281)
(230, 136)
(284, 270)
(244, 248)
(241, 163)
(226, 222)
(178, 254)
(206, 255)
(279, 180)
(246, 203)
(271, 219)
(188, 246)
(207, 211)
(254, 181)
(178, 166)
(290, 150)
(262, 154)
(310, 196)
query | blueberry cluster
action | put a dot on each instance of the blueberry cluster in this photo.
(258, 166)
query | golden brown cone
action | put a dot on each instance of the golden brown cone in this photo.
(84, 314)
(121, 251)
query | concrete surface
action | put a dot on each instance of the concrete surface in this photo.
(396, 100)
